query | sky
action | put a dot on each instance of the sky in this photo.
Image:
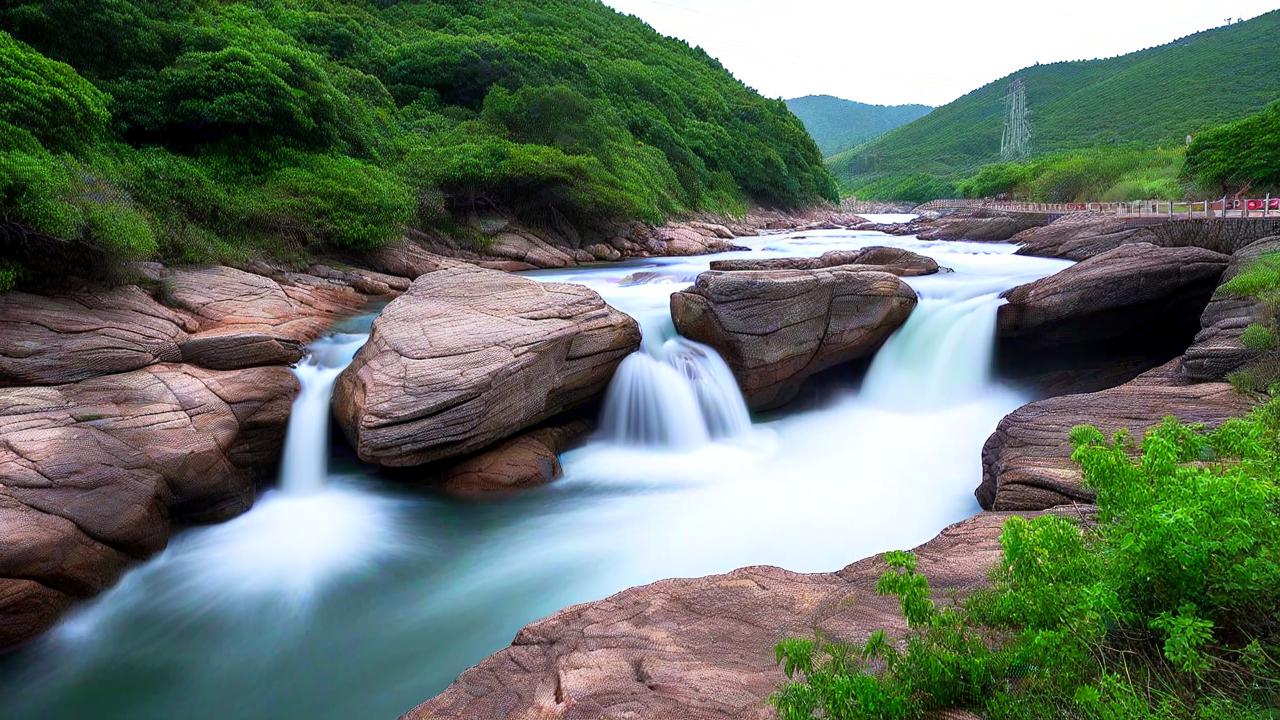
(909, 51)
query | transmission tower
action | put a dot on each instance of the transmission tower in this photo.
(1015, 144)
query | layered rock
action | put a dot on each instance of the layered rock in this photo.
(94, 473)
(698, 648)
(886, 259)
(980, 225)
(776, 328)
(1217, 350)
(247, 319)
(469, 356)
(1133, 290)
(52, 340)
(525, 461)
(1080, 236)
(1026, 463)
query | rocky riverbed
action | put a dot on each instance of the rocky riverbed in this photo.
(128, 412)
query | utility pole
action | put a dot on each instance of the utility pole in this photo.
(1015, 143)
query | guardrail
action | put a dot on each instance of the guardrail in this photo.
(1222, 208)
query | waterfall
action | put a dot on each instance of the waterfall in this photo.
(942, 355)
(680, 395)
(305, 462)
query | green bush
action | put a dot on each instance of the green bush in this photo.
(1258, 337)
(48, 99)
(1244, 154)
(1260, 279)
(1168, 606)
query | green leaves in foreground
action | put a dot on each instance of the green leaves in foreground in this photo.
(1168, 606)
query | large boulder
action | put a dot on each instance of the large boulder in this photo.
(1080, 236)
(699, 648)
(1136, 290)
(980, 225)
(1217, 350)
(776, 328)
(93, 473)
(1026, 463)
(469, 356)
(886, 259)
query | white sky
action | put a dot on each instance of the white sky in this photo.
(918, 52)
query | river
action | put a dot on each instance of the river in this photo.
(345, 595)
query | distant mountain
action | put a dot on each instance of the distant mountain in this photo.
(838, 124)
(1154, 96)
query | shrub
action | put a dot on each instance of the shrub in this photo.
(1258, 337)
(1259, 279)
(1244, 153)
(1167, 607)
(47, 98)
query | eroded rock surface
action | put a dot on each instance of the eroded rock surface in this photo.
(52, 340)
(980, 225)
(1217, 350)
(1026, 463)
(469, 356)
(525, 461)
(1080, 236)
(94, 472)
(1133, 289)
(698, 648)
(776, 328)
(886, 259)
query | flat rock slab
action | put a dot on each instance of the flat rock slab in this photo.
(698, 648)
(1026, 463)
(469, 356)
(776, 328)
(1080, 236)
(1217, 350)
(92, 474)
(886, 259)
(52, 340)
(1113, 295)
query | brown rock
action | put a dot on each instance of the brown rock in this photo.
(1026, 463)
(885, 259)
(469, 356)
(525, 461)
(776, 328)
(1128, 290)
(62, 339)
(92, 473)
(248, 320)
(698, 648)
(1217, 350)
(1080, 236)
(979, 225)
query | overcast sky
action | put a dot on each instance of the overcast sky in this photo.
(910, 51)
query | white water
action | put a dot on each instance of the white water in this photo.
(344, 595)
(304, 467)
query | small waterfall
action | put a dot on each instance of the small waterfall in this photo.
(724, 411)
(681, 396)
(305, 462)
(942, 355)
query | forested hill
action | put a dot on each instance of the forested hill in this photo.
(837, 124)
(1158, 95)
(195, 129)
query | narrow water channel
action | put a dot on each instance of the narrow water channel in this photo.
(342, 595)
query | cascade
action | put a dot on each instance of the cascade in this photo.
(304, 465)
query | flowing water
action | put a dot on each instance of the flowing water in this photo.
(345, 595)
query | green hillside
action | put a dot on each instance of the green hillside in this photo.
(837, 124)
(1155, 96)
(208, 129)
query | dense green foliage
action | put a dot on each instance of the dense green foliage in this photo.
(203, 129)
(1098, 174)
(837, 124)
(1168, 606)
(1153, 97)
(1240, 154)
(1259, 280)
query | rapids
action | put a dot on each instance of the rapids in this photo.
(343, 594)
